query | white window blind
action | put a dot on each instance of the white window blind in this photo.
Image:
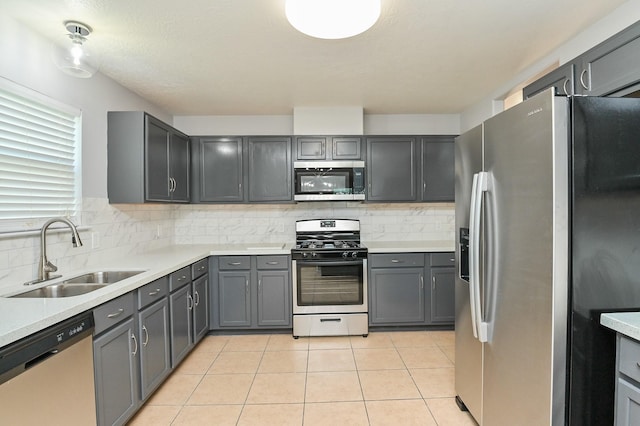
(39, 157)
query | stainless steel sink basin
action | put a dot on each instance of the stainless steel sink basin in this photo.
(80, 285)
(102, 277)
(61, 290)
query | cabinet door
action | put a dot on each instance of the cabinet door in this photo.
(562, 79)
(627, 404)
(442, 295)
(391, 169)
(181, 306)
(274, 304)
(613, 65)
(153, 332)
(437, 169)
(179, 167)
(311, 147)
(234, 300)
(347, 148)
(116, 374)
(200, 308)
(397, 295)
(218, 170)
(270, 169)
(156, 160)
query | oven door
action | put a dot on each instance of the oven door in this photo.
(329, 286)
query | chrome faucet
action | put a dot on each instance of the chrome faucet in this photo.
(44, 266)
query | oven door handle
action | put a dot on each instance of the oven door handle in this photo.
(330, 262)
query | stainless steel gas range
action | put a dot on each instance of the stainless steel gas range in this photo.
(329, 279)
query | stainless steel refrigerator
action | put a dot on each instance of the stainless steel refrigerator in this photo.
(548, 237)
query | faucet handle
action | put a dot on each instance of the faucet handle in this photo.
(50, 267)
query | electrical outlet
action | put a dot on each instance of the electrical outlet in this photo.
(95, 240)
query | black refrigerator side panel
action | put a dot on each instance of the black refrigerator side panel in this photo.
(605, 246)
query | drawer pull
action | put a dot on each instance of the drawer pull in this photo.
(235, 263)
(330, 319)
(202, 268)
(272, 263)
(153, 293)
(453, 259)
(397, 261)
(184, 277)
(116, 314)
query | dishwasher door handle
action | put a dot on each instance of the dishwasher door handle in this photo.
(37, 360)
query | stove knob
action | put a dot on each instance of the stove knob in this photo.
(354, 254)
(314, 254)
(345, 254)
(305, 254)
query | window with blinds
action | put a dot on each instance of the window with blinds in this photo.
(39, 157)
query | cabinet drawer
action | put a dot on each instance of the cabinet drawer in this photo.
(630, 358)
(273, 262)
(179, 278)
(398, 260)
(153, 291)
(234, 262)
(113, 312)
(443, 259)
(200, 268)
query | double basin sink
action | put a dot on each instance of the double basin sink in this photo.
(79, 285)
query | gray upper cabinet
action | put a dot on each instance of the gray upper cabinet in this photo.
(611, 68)
(328, 147)
(437, 168)
(270, 169)
(391, 168)
(217, 169)
(562, 79)
(148, 160)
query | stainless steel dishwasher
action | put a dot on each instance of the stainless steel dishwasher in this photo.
(47, 377)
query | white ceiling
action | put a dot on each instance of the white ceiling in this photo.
(210, 57)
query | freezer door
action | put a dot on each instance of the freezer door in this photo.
(525, 302)
(468, 372)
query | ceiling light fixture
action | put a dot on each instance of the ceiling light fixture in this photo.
(332, 19)
(76, 59)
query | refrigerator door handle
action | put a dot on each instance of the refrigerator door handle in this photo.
(474, 236)
(480, 185)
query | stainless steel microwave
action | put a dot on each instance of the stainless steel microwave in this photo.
(329, 180)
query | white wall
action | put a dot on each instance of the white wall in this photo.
(374, 124)
(624, 16)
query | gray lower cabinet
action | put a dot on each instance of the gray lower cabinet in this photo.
(251, 292)
(155, 362)
(116, 373)
(139, 334)
(411, 289)
(627, 399)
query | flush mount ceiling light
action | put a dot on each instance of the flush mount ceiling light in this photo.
(73, 56)
(332, 19)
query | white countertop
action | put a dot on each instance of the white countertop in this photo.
(20, 317)
(627, 323)
(409, 246)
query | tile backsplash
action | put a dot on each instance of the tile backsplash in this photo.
(111, 231)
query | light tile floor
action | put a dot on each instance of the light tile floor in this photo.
(394, 378)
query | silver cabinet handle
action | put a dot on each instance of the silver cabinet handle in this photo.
(197, 298)
(135, 351)
(272, 263)
(235, 263)
(397, 261)
(189, 302)
(155, 292)
(182, 278)
(433, 282)
(582, 74)
(259, 285)
(564, 87)
(246, 285)
(421, 281)
(202, 268)
(146, 333)
(116, 313)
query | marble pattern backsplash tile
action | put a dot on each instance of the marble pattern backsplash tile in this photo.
(111, 231)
